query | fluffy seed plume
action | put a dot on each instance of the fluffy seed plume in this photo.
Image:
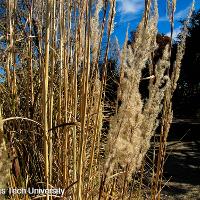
(135, 122)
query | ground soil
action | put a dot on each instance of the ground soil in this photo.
(182, 167)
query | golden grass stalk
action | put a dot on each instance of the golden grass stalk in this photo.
(11, 60)
(147, 11)
(63, 70)
(86, 72)
(51, 102)
(75, 96)
(30, 50)
(45, 94)
(171, 8)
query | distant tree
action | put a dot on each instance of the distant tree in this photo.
(187, 96)
(190, 73)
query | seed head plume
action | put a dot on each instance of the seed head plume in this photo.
(135, 122)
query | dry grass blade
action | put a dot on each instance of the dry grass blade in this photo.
(5, 162)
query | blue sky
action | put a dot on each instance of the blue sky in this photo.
(129, 12)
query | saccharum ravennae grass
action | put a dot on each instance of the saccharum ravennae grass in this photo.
(167, 113)
(54, 99)
(135, 122)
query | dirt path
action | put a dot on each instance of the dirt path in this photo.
(182, 167)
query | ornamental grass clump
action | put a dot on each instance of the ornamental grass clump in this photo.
(137, 118)
(54, 88)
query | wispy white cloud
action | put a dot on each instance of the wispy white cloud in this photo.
(182, 13)
(130, 6)
(129, 10)
(178, 15)
(175, 32)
